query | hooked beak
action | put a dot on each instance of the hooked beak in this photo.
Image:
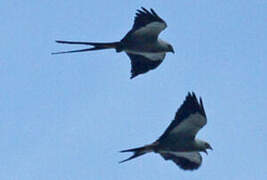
(173, 51)
(210, 148)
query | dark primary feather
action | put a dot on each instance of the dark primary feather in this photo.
(190, 106)
(141, 64)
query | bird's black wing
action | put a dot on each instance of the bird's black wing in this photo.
(185, 160)
(147, 26)
(142, 64)
(189, 119)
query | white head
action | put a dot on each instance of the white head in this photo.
(203, 146)
(167, 47)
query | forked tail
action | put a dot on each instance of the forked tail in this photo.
(138, 152)
(96, 46)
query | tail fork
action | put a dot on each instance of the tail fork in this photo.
(138, 152)
(96, 46)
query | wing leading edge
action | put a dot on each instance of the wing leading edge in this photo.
(185, 160)
(189, 118)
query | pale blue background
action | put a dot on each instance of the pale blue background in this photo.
(65, 117)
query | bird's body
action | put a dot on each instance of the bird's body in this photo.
(178, 142)
(158, 46)
(141, 43)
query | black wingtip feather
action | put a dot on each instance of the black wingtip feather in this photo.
(191, 97)
(144, 9)
(202, 107)
(153, 12)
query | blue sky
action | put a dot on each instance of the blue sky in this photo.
(67, 116)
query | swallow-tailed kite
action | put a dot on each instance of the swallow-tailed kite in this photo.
(141, 43)
(178, 142)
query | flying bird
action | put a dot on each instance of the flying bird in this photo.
(145, 50)
(178, 143)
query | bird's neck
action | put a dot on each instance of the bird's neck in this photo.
(163, 45)
(199, 144)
